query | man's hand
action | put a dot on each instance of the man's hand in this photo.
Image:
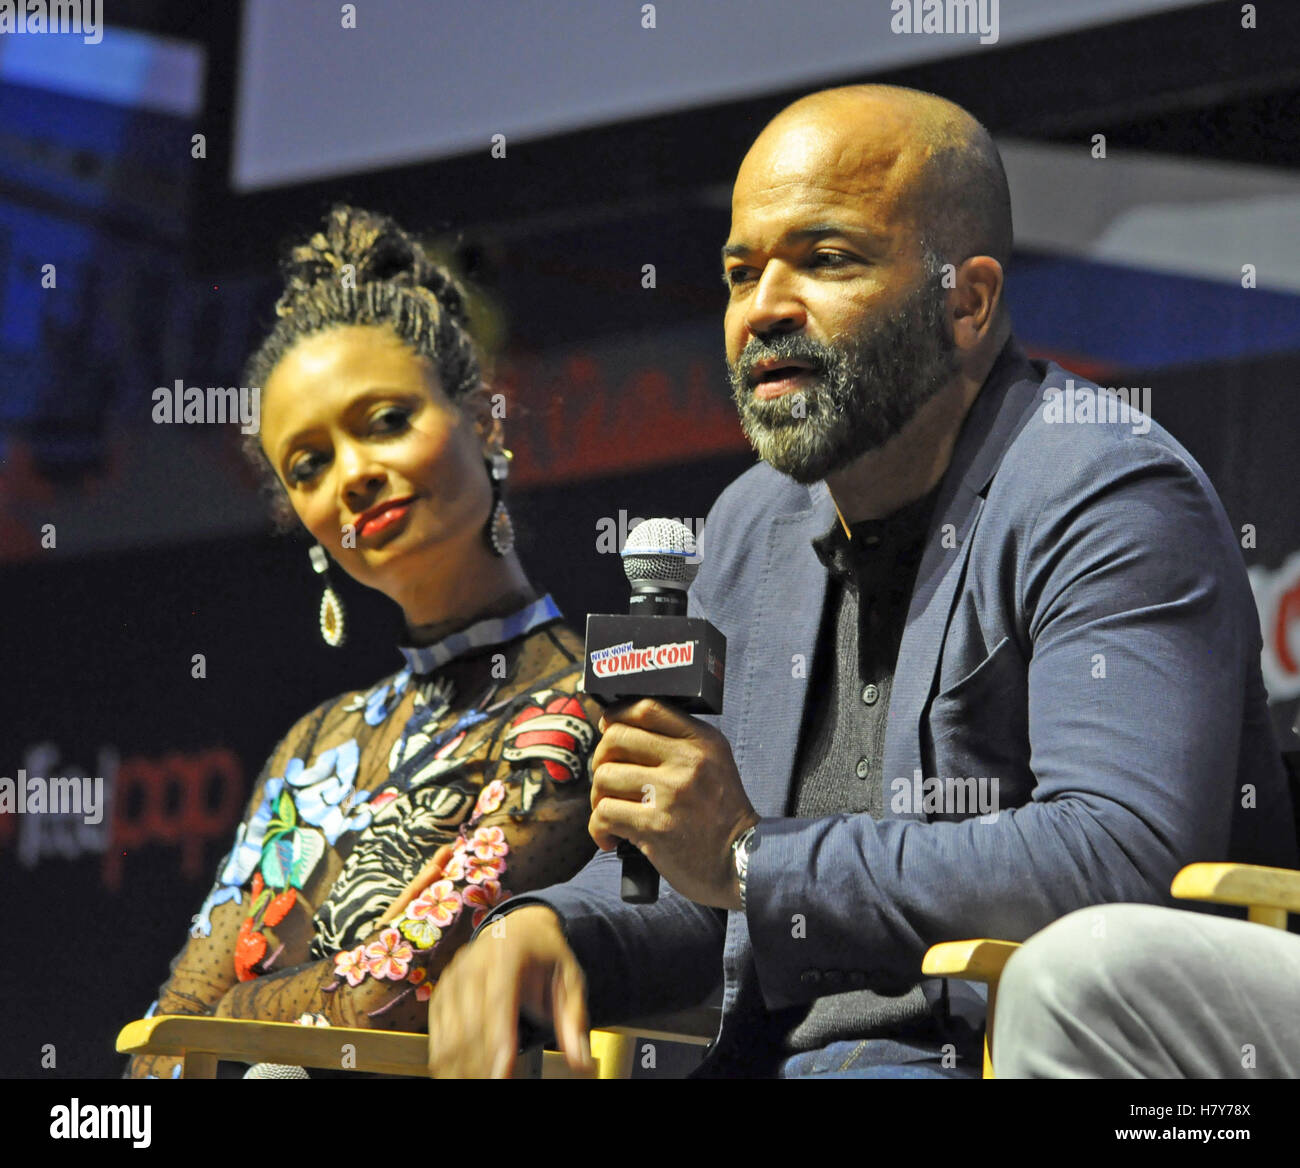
(668, 783)
(525, 964)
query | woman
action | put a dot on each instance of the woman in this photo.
(388, 822)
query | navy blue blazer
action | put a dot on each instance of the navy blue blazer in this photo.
(1081, 632)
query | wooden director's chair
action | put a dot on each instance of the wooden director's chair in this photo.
(201, 1042)
(1268, 895)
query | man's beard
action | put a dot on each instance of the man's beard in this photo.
(860, 391)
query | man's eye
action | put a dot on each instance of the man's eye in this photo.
(734, 276)
(829, 259)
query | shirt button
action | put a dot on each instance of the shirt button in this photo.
(870, 694)
(864, 768)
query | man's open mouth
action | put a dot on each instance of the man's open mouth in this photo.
(771, 373)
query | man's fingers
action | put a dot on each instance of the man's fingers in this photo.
(502, 1032)
(620, 780)
(622, 742)
(618, 819)
(656, 717)
(570, 1012)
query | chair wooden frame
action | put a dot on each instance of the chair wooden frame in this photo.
(201, 1042)
(1267, 894)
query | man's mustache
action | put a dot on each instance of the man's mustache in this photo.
(817, 357)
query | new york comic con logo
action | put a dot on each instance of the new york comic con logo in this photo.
(617, 660)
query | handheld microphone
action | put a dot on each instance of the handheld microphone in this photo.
(655, 651)
(275, 1071)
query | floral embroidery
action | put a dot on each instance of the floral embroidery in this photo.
(312, 1020)
(351, 965)
(278, 841)
(484, 898)
(423, 934)
(250, 948)
(389, 956)
(439, 903)
(490, 798)
(423, 987)
(324, 793)
(376, 701)
(454, 868)
(477, 870)
(489, 843)
(279, 907)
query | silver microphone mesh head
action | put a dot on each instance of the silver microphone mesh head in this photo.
(660, 552)
(275, 1071)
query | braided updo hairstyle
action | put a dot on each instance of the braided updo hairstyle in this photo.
(363, 269)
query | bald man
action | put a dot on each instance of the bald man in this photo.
(988, 661)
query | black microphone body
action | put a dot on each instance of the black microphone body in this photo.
(655, 651)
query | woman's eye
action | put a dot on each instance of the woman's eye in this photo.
(304, 468)
(390, 421)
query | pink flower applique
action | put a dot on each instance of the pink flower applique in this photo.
(489, 799)
(440, 903)
(485, 897)
(489, 843)
(389, 956)
(351, 965)
(454, 868)
(477, 871)
(419, 977)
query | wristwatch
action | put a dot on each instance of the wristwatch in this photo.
(741, 848)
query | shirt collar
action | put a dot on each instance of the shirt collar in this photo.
(493, 631)
(892, 542)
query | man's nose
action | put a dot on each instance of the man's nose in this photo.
(775, 307)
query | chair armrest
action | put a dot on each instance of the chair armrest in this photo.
(979, 960)
(697, 1026)
(1269, 893)
(242, 1040)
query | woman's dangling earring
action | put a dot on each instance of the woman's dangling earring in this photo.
(332, 630)
(500, 531)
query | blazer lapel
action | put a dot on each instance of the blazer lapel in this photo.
(787, 607)
(993, 420)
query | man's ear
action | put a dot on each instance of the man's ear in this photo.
(979, 292)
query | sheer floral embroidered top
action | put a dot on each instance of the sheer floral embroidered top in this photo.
(386, 824)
